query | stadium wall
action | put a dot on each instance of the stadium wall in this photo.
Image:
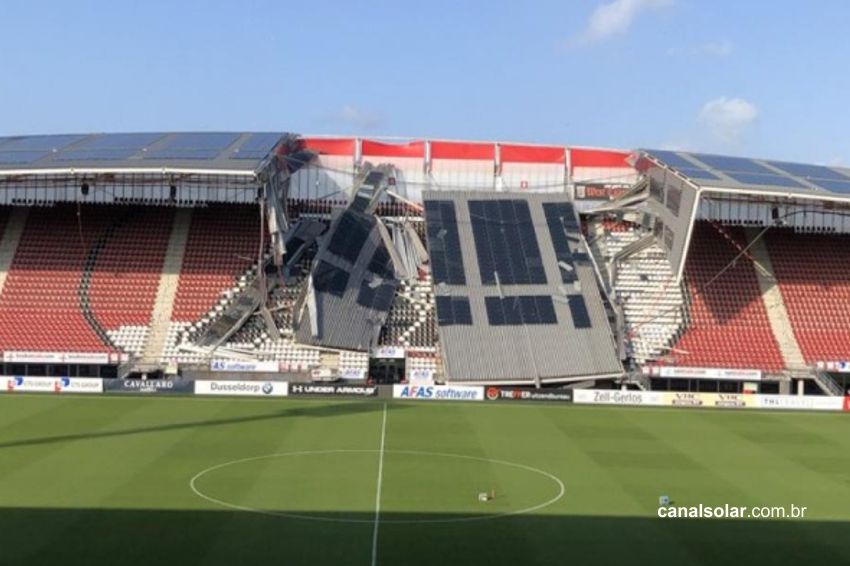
(442, 165)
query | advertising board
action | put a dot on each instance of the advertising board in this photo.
(332, 390)
(52, 385)
(439, 392)
(515, 394)
(242, 388)
(617, 397)
(149, 386)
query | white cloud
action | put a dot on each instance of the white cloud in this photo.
(351, 116)
(720, 48)
(615, 18)
(727, 119)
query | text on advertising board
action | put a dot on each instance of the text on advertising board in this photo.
(333, 389)
(242, 388)
(439, 392)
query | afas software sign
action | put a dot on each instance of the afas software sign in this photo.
(439, 392)
(52, 385)
(243, 388)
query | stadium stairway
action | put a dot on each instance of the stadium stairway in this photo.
(777, 313)
(167, 289)
(9, 243)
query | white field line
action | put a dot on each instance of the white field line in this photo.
(378, 491)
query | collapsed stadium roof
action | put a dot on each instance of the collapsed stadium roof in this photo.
(517, 295)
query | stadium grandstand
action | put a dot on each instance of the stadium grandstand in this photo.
(389, 260)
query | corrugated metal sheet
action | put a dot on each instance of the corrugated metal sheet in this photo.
(524, 352)
(343, 323)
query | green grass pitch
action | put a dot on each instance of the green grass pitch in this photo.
(108, 480)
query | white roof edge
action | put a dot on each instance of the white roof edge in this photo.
(831, 197)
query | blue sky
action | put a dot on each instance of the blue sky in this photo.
(747, 78)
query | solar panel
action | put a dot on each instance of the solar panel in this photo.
(833, 185)
(505, 242)
(381, 263)
(682, 165)
(328, 278)
(453, 311)
(521, 309)
(28, 149)
(257, 146)
(810, 171)
(444, 242)
(350, 234)
(108, 147)
(693, 173)
(578, 310)
(204, 145)
(772, 180)
(13, 157)
(41, 143)
(560, 216)
(376, 297)
(734, 164)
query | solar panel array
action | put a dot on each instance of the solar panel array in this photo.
(444, 242)
(505, 242)
(193, 145)
(683, 166)
(257, 146)
(25, 150)
(560, 217)
(138, 147)
(453, 311)
(108, 148)
(350, 235)
(824, 177)
(521, 309)
(755, 173)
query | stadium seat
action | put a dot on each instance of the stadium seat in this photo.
(728, 325)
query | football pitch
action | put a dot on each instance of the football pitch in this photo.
(149, 481)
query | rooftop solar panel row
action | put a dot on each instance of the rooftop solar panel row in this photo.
(193, 145)
(767, 180)
(728, 164)
(257, 146)
(578, 310)
(560, 217)
(522, 309)
(350, 234)
(444, 242)
(453, 311)
(505, 242)
(810, 171)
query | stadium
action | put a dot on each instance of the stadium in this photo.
(255, 346)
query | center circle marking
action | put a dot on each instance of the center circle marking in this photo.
(193, 484)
